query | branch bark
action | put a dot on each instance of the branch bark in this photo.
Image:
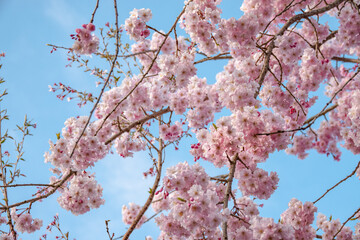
(227, 193)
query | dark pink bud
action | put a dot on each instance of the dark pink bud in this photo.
(90, 27)
(145, 33)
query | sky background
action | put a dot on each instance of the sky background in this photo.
(29, 67)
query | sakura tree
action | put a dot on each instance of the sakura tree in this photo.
(276, 57)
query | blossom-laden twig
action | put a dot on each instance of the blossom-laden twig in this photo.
(292, 20)
(147, 71)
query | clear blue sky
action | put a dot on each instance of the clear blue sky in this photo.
(28, 68)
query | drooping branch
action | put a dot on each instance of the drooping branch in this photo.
(308, 123)
(292, 20)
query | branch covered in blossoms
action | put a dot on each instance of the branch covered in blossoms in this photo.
(276, 57)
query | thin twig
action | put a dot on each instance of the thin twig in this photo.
(152, 192)
(217, 57)
(27, 185)
(321, 113)
(135, 54)
(138, 122)
(346, 222)
(337, 184)
(311, 120)
(155, 30)
(292, 20)
(148, 70)
(64, 179)
(93, 14)
(107, 79)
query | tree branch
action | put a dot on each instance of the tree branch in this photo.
(346, 222)
(152, 193)
(138, 122)
(106, 82)
(227, 193)
(93, 14)
(292, 20)
(337, 184)
(149, 68)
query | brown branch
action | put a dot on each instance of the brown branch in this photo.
(346, 222)
(337, 184)
(311, 120)
(106, 82)
(148, 70)
(27, 185)
(227, 193)
(217, 57)
(329, 37)
(342, 59)
(152, 193)
(93, 14)
(111, 236)
(220, 178)
(135, 54)
(287, 7)
(64, 179)
(138, 122)
(155, 30)
(51, 45)
(280, 83)
(292, 20)
(320, 114)
(336, 93)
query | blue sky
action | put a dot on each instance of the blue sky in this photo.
(28, 68)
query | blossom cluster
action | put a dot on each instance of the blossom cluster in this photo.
(85, 41)
(170, 133)
(82, 194)
(129, 214)
(331, 227)
(257, 182)
(300, 217)
(192, 201)
(136, 24)
(88, 150)
(25, 223)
